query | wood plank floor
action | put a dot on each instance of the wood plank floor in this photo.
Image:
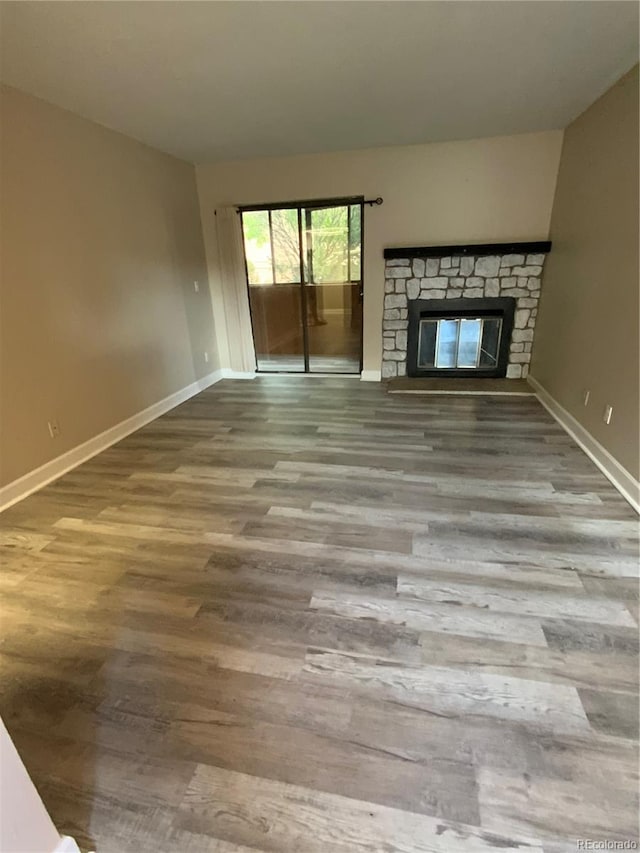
(457, 385)
(304, 615)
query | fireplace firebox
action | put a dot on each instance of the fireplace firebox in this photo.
(459, 337)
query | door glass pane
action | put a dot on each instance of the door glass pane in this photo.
(332, 294)
(276, 318)
(276, 314)
(328, 236)
(333, 312)
(257, 246)
(469, 342)
(447, 343)
(286, 246)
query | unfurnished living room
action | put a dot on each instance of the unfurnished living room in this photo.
(319, 449)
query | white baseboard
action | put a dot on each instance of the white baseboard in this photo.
(370, 376)
(67, 845)
(34, 480)
(624, 482)
(227, 373)
(463, 393)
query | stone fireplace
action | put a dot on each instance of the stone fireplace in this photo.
(461, 310)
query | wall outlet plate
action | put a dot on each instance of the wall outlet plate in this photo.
(608, 412)
(585, 397)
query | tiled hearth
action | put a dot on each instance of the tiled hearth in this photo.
(462, 272)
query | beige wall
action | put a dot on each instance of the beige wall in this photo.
(481, 190)
(101, 241)
(587, 329)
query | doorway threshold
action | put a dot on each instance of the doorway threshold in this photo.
(300, 374)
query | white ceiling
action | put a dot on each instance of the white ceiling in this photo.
(225, 80)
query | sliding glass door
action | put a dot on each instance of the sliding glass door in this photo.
(303, 265)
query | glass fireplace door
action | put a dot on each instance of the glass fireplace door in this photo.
(459, 342)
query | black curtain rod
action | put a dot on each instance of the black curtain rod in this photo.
(312, 204)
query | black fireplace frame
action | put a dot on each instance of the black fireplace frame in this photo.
(420, 309)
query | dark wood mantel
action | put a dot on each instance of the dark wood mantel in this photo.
(478, 249)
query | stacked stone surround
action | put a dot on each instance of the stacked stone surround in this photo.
(458, 277)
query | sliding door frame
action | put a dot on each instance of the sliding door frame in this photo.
(303, 297)
(299, 206)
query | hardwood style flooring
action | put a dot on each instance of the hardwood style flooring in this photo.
(457, 385)
(306, 616)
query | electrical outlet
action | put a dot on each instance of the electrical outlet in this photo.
(54, 428)
(206, 356)
(608, 411)
(196, 287)
(585, 397)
